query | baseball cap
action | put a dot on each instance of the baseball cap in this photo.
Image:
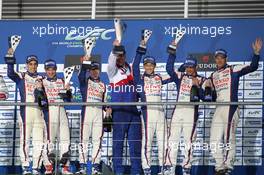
(31, 58)
(149, 59)
(190, 62)
(221, 52)
(50, 64)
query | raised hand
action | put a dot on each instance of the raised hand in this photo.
(67, 86)
(116, 43)
(10, 51)
(257, 45)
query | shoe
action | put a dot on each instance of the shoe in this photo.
(82, 169)
(35, 172)
(147, 171)
(96, 169)
(26, 170)
(65, 170)
(220, 172)
(49, 169)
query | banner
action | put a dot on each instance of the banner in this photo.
(62, 41)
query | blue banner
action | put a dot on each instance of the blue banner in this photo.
(61, 40)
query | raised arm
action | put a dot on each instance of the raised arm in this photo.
(141, 50)
(82, 72)
(10, 66)
(111, 67)
(245, 69)
(170, 64)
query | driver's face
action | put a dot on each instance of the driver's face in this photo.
(220, 61)
(32, 66)
(120, 60)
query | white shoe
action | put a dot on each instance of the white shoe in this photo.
(81, 172)
(96, 169)
(35, 172)
(147, 171)
(26, 171)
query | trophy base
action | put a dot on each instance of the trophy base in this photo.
(86, 64)
(9, 59)
(119, 50)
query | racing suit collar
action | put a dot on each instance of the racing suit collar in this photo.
(52, 79)
(222, 68)
(32, 74)
(192, 75)
(149, 75)
(94, 80)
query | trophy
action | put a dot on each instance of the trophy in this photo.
(179, 36)
(13, 42)
(172, 48)
(119, 33)
(145, 35)
(88, 45)
(67, 72)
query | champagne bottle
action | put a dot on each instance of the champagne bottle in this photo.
(194, 94)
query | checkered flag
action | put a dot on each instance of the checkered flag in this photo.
(67, 72)
(88, 45)
(14, 41)
(146, 35)
(179, 36)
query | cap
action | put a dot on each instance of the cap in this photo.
(149, 59)
(95, 65)
(50, 64)
(190, 62)
(221, 52)
(31, 58)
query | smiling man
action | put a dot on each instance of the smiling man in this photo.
(225, 83)
(31, 119)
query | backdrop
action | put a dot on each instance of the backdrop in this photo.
(61, 40)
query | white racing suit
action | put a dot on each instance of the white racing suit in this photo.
(153, 116)
(31, 121)
(91, 124)
(184, 118)
(225, 83)
(57, 125)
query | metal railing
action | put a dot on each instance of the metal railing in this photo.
(132, 103)
(241, 103)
